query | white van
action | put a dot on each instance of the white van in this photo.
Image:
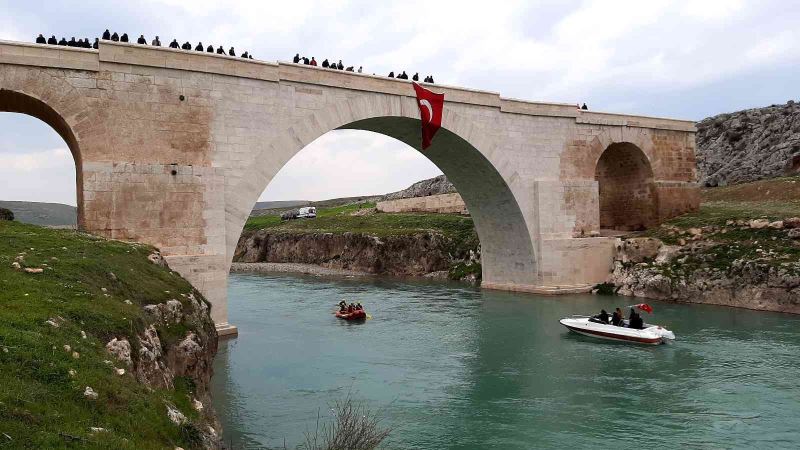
(308, 212)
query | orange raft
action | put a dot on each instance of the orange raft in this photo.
(358, 314)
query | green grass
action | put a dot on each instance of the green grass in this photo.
(41, 405)
(338, 220)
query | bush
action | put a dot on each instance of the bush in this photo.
(354, 427)
(606, 289)
(6, 214)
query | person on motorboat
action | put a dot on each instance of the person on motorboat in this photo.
(600, 318)
(616, 318)
(635, 321)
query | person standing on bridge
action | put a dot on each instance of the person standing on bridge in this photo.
(415, 77)
(115, 37)
(174, 44)
(232, 52)
(141, 40)
(325, 63)
(360, 69)
(186, 46)
(584, 107)
(210, 49)
(40, 39)
(199, 47)
(156, 42)
(63, 41)
(124, 37)
(313, 61)
(296, 58)
(220, 50)
(96, 44)
(52, 40)
(106, 35)
(340, 66)
(72, 42)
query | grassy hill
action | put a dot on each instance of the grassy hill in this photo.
(37, 213)
(94, 287)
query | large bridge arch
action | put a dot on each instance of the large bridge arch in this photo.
(24, 99)
(507, 247)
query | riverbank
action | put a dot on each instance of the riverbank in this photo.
(357, 238)
(101, 346)
(305, 269)
(742, 249)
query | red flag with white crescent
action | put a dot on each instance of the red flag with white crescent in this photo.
(430, 105)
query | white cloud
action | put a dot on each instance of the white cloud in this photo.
(39, 176)
(33, 161)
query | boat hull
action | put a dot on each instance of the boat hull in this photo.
(653, 335)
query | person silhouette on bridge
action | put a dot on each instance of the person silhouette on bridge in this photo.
(174, 44)
(232, 52)
(52, 40)
(40, 39)
(403, 76)
(340, 66)
(63, 41)
(245, 55)
(415, 77)
(391, 74)
(350, 69)
(584, 107)
(79, 44)
(199, 47)
(210, 49)
(124, 37)
(115, 37)
(141, 40)
(325, 63)
(72, 42)
(360, 69)
(220, 50)
(96, 44)
(296, 58)
(186, 46)
(156, 42)
(306, 61)
(313, 61)
(106, 35)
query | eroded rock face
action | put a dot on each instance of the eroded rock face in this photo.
(432, 186)
(151, 368)
(413, 255)
(745, 284)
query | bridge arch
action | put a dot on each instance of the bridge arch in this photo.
(17, 101)
(507, 247)
(628, 198)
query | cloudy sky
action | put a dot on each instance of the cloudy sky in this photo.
(683, 59)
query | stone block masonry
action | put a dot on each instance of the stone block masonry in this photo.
(173, 148)
(442, 203)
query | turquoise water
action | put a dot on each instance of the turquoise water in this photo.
(453, 367)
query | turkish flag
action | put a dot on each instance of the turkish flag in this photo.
(430, 105)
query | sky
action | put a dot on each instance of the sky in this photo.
(681, 59)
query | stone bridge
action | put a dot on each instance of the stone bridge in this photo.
(173, 148)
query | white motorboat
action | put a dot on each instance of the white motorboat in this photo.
(649, 334)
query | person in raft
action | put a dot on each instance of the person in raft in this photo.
(342, 306)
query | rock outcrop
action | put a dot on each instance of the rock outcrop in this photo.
(6, 214)
(710, 271)
(749, 145)
(406, 255)
(424, 188)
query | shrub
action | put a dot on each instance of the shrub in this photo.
(6, 214)
(354, 427)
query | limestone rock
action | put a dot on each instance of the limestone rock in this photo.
(34, 270)
(792, 222)
(794, 233)
(90, 393)
(157, 259)
(175, 416)
(150, 368)
(16, 265)
(121, 349)
(637, 250)
(758, 224)
(777, 225)
(667, 253)
(424, 188)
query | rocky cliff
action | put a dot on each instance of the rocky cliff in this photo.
(402, 255)
(751, 264)
(749, 145)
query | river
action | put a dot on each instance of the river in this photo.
(454, 367)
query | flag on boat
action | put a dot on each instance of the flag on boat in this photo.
(645, 307)
(430, 105)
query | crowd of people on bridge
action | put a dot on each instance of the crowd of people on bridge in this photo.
(156, 42)
(326, 64)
